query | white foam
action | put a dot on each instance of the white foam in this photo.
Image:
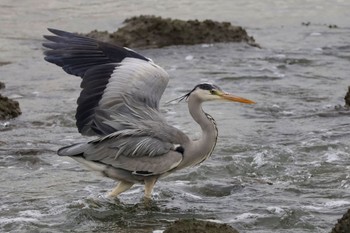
(5, 124)
(207, 45)
(275, 106)
(335, 155)
(158, 231)
(327, 205)
(15, 96)
(190, 195)
(189, 57)
(315, 34)
(18, 219)
(275, 210)
(214, 221)
(245, 216)
(259, 159)
(4, 207)
(181, 182)
(332, 157)
(313, 208)
(31, 213)
(337, 203)
(345, 183)
(280, 55)
(287, 113)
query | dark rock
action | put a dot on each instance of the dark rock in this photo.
(332, 26)
(343, 224)
(2, 63)
(2, 85)
(155, 32)
(347, 98)
(346, 108)
(8, 108)
(198, 226)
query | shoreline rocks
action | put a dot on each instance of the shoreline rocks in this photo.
(343, 224)
(148, 31)
(8, 108)
(198, 226)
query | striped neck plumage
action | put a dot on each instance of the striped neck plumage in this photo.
(207, 142)
(215, 134)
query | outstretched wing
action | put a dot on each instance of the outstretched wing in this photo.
(120, 86)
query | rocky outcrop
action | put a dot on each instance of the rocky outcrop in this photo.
(198, 226)
(155, 32)
(343, 224)
(8, 108)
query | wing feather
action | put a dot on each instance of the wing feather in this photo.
(119, 102)
(117, 83)
(134, 151)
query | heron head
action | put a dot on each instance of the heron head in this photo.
(208, 92)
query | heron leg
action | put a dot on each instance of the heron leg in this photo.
(121, 187)
(149, 184)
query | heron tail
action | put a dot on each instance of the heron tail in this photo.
(73, 150)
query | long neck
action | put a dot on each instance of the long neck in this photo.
(203, 147)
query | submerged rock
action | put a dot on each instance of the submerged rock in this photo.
(8, 108)
(155, 32)
(198, 226)
(2, 63)
(346, 108)
(343, 224)
(347, 98)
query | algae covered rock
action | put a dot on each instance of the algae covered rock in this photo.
(343, 224)
(155, 32)
(198, 226)
(8, 108)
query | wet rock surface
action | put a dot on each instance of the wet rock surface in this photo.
(2, 63)
(343, 224)
(198, 226)
(155, 32)
(8, 108)
(347, 98)
(344, 108)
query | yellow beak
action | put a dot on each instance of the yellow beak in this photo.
(230, 97)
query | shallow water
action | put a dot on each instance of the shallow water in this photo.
(281, 165)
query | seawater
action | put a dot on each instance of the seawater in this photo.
(281, 165)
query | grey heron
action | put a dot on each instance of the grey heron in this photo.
(119, 103)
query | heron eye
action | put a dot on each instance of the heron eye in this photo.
(212, 92)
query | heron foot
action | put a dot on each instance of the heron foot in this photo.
(150, 205)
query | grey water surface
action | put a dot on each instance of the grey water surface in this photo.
(282, 165)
